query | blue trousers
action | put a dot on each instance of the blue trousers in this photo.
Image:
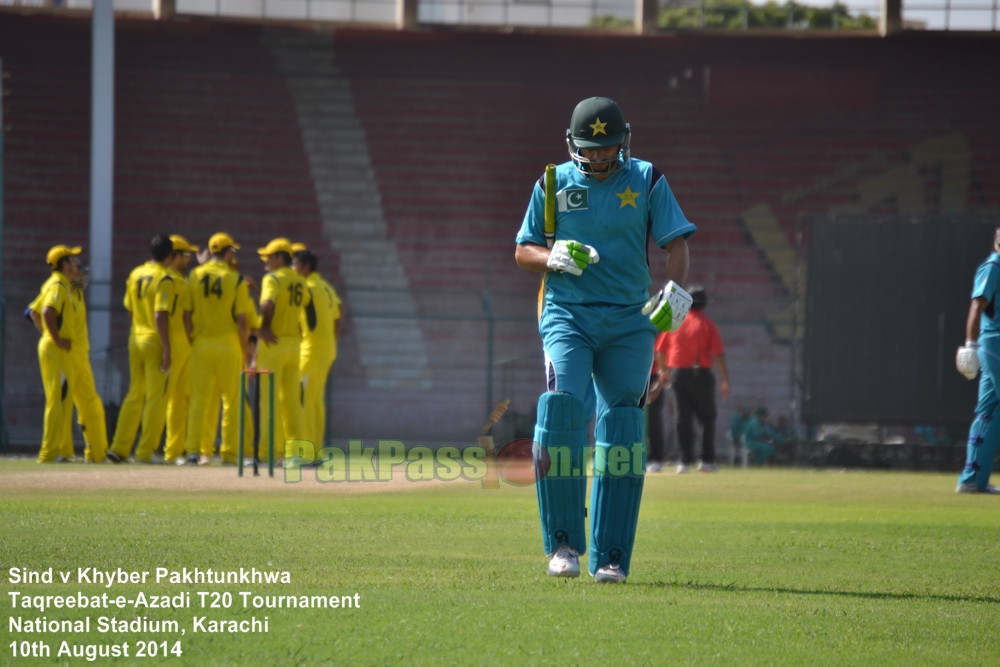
(597, 355)
(984, 434)
(611, 346)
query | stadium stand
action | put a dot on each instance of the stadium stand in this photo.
(434, 139)
(206, 140)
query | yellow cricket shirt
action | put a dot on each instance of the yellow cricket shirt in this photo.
(141, 289)
(288, 290)
(217, 295)
(319, 318)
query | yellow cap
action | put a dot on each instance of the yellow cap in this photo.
(299, 247)
(220, 242)
(181, 244)
(57, 253)
(275, 246)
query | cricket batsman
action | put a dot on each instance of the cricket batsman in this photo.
(598, 325)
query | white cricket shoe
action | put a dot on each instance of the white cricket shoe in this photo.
(609, 574)
(682, 468)
(565, 563)
(972, 488)
(707, 467)
(654, 466)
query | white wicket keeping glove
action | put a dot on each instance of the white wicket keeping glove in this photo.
(572, 257)
(668, 309)
(967, 360)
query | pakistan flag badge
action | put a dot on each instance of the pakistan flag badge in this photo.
(572, 199)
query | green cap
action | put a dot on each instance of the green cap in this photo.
(597, 122)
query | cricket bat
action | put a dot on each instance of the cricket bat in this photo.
(550, 224)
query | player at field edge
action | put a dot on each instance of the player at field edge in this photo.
(596, 326)
(981, 352)
(89, 407)
(320, 325)
(60, 315)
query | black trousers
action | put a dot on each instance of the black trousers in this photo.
(661, 438)
(694, 392)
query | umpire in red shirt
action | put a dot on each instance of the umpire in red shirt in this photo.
(687, 357)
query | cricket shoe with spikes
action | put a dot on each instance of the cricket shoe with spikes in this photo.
(565, 563)
(609, 574)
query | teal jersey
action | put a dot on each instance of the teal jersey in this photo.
(987, 286)
(616, 216)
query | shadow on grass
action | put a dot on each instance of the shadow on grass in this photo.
(868, 595)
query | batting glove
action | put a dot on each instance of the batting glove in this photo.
(967, 359)
(668, 309)
(572, 257)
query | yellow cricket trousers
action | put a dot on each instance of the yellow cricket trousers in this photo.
(282, 359)
(314, 368)
(54, 365)
(89, 407)
(178, 398)
(146, 400)
(215, 378)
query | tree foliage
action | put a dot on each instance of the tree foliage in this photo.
(739, 14)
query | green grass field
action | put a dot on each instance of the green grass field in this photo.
(743, 567)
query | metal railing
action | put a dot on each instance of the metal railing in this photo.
(976, 15)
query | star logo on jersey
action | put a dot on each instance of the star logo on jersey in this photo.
(628, 197)
(598, 127)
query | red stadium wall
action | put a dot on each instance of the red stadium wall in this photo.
(206, 139)
(752, 132)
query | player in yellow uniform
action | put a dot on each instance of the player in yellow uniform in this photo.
(217, 324)
(319, 324)
(211, 426)
(148, 357)
(67, 449)
(82, 388)
(89, 406)
(283, 295)
(251, 425)
(179, 382)
(57, 316)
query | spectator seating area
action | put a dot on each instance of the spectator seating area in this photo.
(754, 133)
